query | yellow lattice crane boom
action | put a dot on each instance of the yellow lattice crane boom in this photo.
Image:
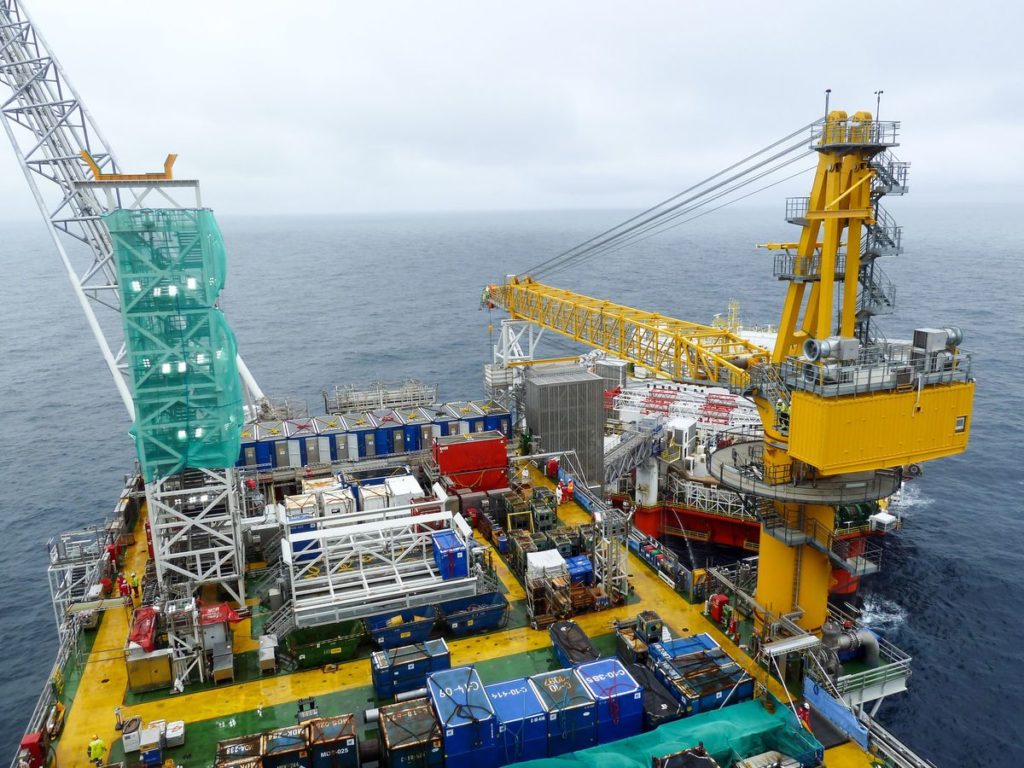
(843, 409)
(671, 348)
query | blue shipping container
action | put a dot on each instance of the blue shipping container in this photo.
(681, 646)
(406, 668)
(581, 570)
(414, 627)
(522, 721)
(306, 550)
(620, 700)
(465, 615)
(450, 555)
(572, 716)
(699, 674)
(469, 728)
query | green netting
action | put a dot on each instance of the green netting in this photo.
(729, 734)
(171, 266)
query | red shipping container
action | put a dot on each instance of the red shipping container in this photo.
(462, 453)
(480, 479)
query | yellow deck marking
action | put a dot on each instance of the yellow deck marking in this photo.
(93, 708)
(92, 711)
(848, 755)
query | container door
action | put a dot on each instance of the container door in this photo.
(249, 455)
(399, 441)
(426, 436)
(352, 447)
(478, 425)
(370, 441)
(312, 450)
(464, 428)
(503, 425)
(294, 453)
(435, 431)
(325, 449)
(281, 453)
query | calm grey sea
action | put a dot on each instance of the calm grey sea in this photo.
(350, 299)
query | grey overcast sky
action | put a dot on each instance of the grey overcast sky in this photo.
(335, 106)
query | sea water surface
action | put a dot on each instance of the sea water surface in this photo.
(321, 301)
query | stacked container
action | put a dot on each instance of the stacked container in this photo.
(522, 722)
(699, 674)
(620, 707)
(410, 736)
(468, 724)
(286, 748)
(571, 711)
(333, 742)
(406, 668)
(338, 502)
(240, 750)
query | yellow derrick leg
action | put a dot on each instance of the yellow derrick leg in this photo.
(801, 573)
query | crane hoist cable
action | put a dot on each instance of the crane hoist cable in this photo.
(655, 212)
(680, 208)
(775, 183)
(666, 223)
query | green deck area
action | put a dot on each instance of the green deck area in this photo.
(201, 737)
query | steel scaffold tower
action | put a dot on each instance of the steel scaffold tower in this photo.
(75, 179)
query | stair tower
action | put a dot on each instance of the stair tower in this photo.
(843, 409)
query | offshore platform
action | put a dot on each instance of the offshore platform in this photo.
(276, 546)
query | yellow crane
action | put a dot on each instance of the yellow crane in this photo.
(842, 409)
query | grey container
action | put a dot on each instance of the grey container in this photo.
(565, 409)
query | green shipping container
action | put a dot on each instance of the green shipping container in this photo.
(332, 643)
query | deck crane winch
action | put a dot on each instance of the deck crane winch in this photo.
(842, 408)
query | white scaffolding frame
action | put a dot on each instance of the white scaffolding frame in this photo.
(197, 536)
(369, 563)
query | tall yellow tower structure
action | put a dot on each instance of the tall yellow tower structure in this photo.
(843, 409)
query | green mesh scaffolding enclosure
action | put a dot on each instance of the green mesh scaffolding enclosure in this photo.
(728, 734)
(180, 350)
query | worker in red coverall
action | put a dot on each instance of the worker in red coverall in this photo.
(804, 713)
(122, 587)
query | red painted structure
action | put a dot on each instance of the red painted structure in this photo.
(478, 460)
(674, 520)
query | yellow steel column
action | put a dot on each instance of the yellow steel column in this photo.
(791, 577)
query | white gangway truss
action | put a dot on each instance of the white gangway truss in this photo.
(368, 563)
